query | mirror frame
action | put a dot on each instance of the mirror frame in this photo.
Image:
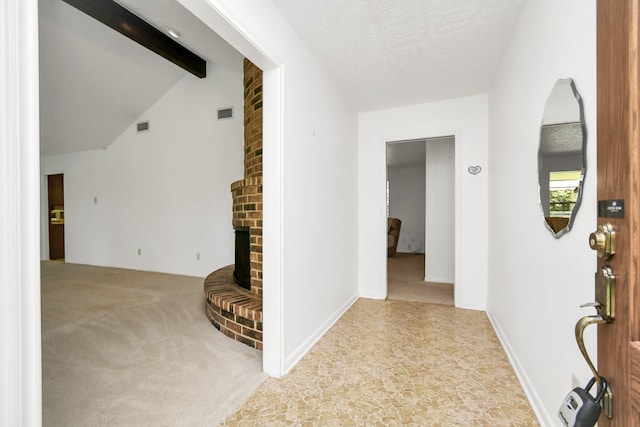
(583, 127)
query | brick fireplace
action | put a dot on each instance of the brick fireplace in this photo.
(233, 305)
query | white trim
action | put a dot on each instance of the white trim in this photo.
(20, 358)
(304, 348)
(273, 220)
(460, 284)
(529, 390)
(217, 16)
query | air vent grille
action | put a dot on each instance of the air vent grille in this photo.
(225, 113)
(142, 126)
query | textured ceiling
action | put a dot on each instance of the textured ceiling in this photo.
(386, 53)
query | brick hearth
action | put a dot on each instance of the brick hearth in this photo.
(235, 312)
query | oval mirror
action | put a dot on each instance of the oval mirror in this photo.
(561, 163)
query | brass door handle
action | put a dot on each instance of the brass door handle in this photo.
(581, 325)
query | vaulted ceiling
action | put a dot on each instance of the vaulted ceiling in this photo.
(382, 53)
(95, 82)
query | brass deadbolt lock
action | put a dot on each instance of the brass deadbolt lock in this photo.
(603, 240)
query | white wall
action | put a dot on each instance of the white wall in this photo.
(165, 191)
(407, 203)
(467, 120)
(440, 211)
(310, 180)
(536, 282)
(20, 354)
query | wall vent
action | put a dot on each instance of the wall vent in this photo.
(225, 113)
(142, 126)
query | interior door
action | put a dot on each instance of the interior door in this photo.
(619, 180)
(55, 187)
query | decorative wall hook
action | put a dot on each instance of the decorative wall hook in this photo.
(474, 170)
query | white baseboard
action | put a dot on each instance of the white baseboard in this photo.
(439, 280)
(536, 404)
(304, 348)
(470, 305)
(374, 295)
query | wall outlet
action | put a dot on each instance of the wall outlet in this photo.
(409, 246)
(139, 251)
(198, 256)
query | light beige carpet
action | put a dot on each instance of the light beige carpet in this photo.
(131, 348)
(405, 281)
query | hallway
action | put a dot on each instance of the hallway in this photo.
(405, 281)
(396, 363)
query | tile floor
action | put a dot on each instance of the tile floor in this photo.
(394, 363)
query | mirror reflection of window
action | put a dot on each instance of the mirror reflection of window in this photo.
(563, 192)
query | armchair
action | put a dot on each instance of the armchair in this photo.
(393, 235)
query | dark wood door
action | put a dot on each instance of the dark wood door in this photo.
(56, 216)
(619, 179)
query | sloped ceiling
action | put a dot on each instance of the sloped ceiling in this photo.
(94, 82)
(386, 53)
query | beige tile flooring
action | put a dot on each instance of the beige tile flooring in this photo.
(394, 363)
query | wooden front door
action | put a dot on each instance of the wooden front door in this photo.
(618, 170)
(56, 216)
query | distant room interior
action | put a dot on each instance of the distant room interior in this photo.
(420, 206)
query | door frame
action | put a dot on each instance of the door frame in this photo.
(458, 288)
(618, 95)
(426, 142)
(20, 336)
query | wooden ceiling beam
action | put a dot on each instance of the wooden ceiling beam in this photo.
(130, 25)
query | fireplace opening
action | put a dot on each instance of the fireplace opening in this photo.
(242, 272)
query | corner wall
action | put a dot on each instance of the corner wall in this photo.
(440, 210)
(536, 283)
(467, 120)
(164, 191)
(310, 180)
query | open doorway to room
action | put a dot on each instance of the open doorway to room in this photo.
(159, 188)
(421, 220)
(55, 205)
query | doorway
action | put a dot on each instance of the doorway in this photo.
(55, 205)
(421, 201)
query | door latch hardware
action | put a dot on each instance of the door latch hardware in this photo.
(604, 241)
(606, 293)
(605, 303)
